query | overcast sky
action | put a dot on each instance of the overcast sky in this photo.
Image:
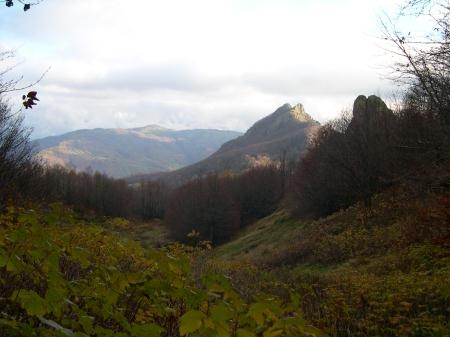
(220, 64)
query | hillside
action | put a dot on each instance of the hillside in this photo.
(285, 132)
(382, 271)
(123, 152)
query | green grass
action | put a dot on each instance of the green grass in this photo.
(261, 238)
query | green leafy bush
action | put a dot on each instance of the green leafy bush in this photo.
(60, 277)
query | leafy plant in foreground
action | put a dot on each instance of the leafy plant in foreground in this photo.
(59, 277)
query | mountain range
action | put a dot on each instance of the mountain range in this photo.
(175, 157)
(283, 134)
(124, 152)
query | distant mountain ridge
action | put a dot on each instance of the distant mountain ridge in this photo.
(125, 152)
(284, 133)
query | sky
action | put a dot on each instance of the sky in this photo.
(188, 64)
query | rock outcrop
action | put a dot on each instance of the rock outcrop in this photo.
(370, 112)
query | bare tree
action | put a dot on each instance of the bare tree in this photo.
(152, 199)
(424, 61)
(16, 153)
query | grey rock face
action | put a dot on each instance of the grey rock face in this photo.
(370, 111)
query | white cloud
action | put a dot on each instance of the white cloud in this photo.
(197, 63)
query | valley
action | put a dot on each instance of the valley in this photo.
(261, 251)
(293, 228)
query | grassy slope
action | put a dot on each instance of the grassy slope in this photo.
(383, 271)
(393, 223)
(261, 239)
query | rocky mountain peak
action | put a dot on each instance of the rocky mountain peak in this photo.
(284, 119)
(299, 113)
(289, 113)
